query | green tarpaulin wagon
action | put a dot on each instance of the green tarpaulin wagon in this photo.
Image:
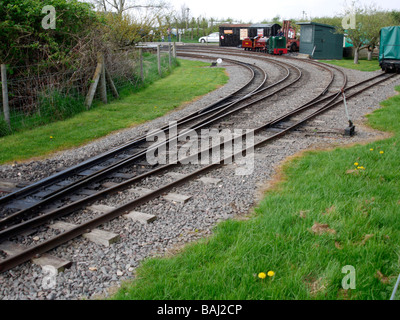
(389, 49)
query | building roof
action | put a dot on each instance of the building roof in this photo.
(244, 25)
(228, 25)
(263, 25)
(315, 24)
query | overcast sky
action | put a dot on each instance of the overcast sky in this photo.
(259, 10)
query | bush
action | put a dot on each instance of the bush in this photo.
(23, 40)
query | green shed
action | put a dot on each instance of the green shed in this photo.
(320, 41)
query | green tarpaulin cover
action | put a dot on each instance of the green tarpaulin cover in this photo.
(389, 43)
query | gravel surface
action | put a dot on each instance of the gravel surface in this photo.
(96, 269)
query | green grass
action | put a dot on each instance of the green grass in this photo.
(363, 65)
(360, 211)
(191, 80)
(56, 105)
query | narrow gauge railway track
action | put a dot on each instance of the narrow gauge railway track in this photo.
(46, 188)
(263, 135)
(94, 160)
(262, 56)
(49, 197)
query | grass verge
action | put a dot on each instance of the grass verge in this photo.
(333, 209)
(60, 104)
(364, 64)
(187, 82)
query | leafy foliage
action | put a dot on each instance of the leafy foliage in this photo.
(23, 40)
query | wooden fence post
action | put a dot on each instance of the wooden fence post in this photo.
(159, 59)
(6, 107)
(174, 50)
(95, 81)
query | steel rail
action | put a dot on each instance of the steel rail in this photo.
(5, 222)
(99, 158)
(103, 172)
(14, 230)
(263, 57)
(36, 221)
(47, 245)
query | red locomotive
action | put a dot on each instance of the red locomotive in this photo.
(255, 44)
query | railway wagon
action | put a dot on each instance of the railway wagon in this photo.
(389, 49)
(232, 35)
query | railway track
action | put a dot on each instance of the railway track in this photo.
(15, 222)
(244, 90)
(72, 178)
(34, 198)
(263, 134)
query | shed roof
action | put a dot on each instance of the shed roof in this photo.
(248, 25)
(263, 25)
(316, 24)
(228, 25)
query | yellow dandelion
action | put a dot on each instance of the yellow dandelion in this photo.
(51, 137)
(262, 275)
(271, 273)
(381, 152)
(371, 149)
(356, 163)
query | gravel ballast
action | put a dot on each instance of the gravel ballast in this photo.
(96, 269)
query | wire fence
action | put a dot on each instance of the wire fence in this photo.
(37, 97)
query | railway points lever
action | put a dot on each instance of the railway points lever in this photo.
(350, 130)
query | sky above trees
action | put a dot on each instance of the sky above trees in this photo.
(259, 10)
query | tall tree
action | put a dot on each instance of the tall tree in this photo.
(365, 33)
(396, 17)
(121, 6)
(373, 22)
